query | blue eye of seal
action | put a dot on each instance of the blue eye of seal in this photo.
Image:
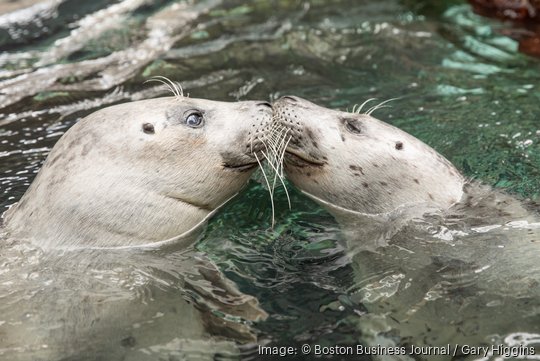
(194, 120)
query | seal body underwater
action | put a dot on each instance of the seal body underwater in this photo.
(422, 240)
(125, 178)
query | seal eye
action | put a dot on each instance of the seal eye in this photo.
(353, 126)
(194, 120)
(148, 128)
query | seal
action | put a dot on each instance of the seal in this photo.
(355, 164)
(374, 178)
(141, 174)
(421, 239)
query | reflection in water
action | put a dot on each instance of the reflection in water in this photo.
(466, 92)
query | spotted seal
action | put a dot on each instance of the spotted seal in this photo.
(422, 240)
(362, 169)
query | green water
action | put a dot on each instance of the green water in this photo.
(461, 86)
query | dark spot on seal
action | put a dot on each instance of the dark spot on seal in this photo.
(365, 185)
(308, 174)
(399, 145)
(375, 165)
(342, 138)
(416, 181)
(431, 196)
(148, 128)
(384, 184)
(357, 168)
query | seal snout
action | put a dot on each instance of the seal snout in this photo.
(258, 135)
(303, 148)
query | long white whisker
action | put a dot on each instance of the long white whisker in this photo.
(380, 105)
(155, 79)
(281, 171)
(170, 82)
(363, 104)
(270, 162)
(377, 108)
(268, 185)
(276, 140)
(280, 142)
(282, 147)
(280, 177)
(181, 91)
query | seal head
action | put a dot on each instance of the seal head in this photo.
(140, 173)
(358, 163)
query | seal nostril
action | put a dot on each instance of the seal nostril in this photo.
(290, 98)
(265, 104)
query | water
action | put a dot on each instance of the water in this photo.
(464, 89)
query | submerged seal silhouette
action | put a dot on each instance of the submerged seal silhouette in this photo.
(141, 173)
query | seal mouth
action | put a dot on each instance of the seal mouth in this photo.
(301, 160)
(241, 167)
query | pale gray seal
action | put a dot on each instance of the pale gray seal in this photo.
(134, 175)
(141, 173)
(359, 167)
(370, 175)
(360, 163)
(451, 247)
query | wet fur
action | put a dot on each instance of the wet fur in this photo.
(110, 183)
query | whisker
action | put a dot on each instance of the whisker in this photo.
(155, 79)
(172, 84)
(380, 105)
(281, 169)
(281, 180)
(268, 185)
(363, 104)
(174, 87)
(279, 144)
(270, 162)
(179, 89)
